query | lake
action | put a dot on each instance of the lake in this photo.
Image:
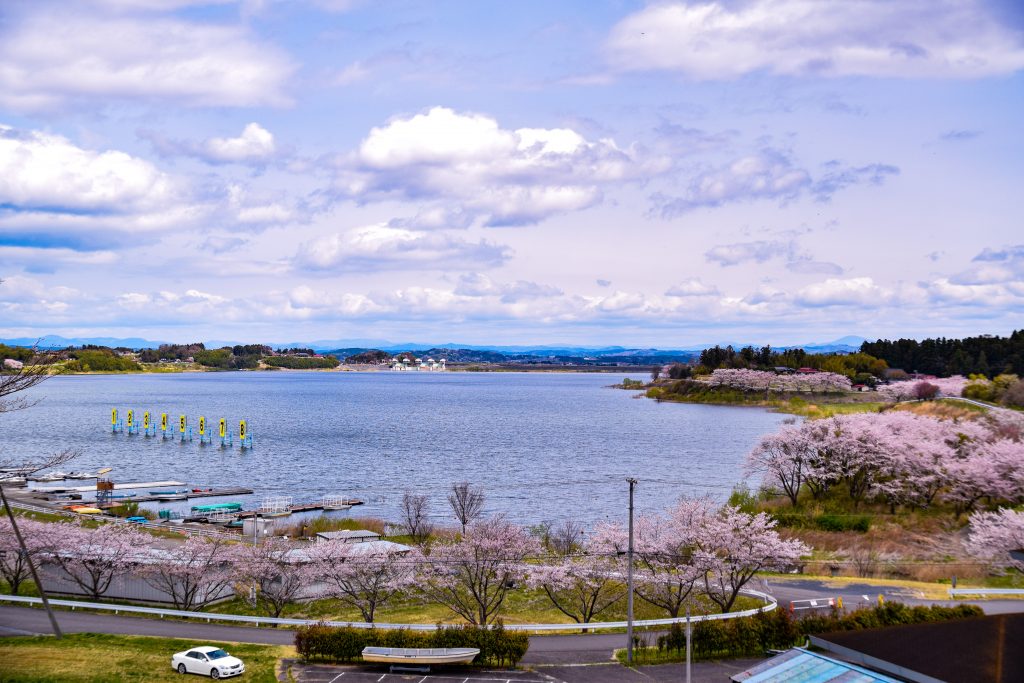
(543, 446)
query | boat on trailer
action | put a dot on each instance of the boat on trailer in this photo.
(418, 656)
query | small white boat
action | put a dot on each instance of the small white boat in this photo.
(81, 475)
(165, 497)
(50, 476)
(416, 655)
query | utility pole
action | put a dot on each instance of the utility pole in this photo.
(688, 644)
(31, 565)
(629, 579)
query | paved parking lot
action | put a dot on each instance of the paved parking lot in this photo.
(703, 672)
(317, 673)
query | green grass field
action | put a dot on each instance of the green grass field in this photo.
(94, 658)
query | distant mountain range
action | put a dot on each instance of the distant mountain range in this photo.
(348, 347)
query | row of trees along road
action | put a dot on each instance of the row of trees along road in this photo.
(694, 549)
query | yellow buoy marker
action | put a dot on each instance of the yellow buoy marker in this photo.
(113, 417)
(131, 418)
(223, 428)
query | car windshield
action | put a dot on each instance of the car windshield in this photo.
(216, 654)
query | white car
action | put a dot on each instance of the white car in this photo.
(208, 661)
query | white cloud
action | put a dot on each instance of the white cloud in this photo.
(906, 39)
(255, 143)
(858, 291)
(379, 246)
(44, 172)
(692, 287)
(768, 174)
(509, 177)
(757, 251)
(50, 58)
(478, 285)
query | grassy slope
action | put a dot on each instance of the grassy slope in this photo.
(89, 658)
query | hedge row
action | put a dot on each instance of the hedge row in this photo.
(779, 630)
(498, 647)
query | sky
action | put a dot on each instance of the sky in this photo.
(642, 174)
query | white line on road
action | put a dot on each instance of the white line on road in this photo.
(337, 677)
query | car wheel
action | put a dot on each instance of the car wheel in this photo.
(214, 674)
(182, 669)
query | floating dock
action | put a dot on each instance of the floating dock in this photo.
(122, 485)
(299, 507)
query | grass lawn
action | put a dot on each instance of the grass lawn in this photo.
(88, 658)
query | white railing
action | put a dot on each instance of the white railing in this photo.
(281, 621)
(956, 592)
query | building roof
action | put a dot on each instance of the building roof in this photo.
(348, 535)
(801, 666)
(979, 650)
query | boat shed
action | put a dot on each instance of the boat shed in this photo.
(802, 666)
(348, 536)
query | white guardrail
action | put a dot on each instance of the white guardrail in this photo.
(956, 592)
(281, 621)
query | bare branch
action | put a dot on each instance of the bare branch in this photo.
(467, 503)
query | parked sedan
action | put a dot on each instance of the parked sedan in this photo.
(208, 661)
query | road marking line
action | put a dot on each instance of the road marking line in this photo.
(337, 677)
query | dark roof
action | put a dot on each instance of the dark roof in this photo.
(982, 650)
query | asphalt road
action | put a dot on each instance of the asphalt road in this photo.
(549, 650)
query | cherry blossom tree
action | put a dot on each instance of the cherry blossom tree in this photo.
(764, 381)
(192, 573)
(93, 558)
(364, 575)
(472, 576)
(783, 458)
(950, 386)
(13, 560)
(279, 575)
(663, 549)
(583, 584)
(994, 535)
(897, 391)
(730, 546)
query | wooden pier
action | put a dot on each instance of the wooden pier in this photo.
(117, 487)
(299, 507)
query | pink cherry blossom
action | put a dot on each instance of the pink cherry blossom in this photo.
(93, 558)
(191, 573)
(472, 576)
(363, 575)
(993, 535)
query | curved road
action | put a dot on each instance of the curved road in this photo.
(552, 649)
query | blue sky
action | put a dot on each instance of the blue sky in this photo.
(576, 172)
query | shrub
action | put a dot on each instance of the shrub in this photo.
(829, 522)
(498, 647)
(779, 629)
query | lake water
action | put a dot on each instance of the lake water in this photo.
(542, 446)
